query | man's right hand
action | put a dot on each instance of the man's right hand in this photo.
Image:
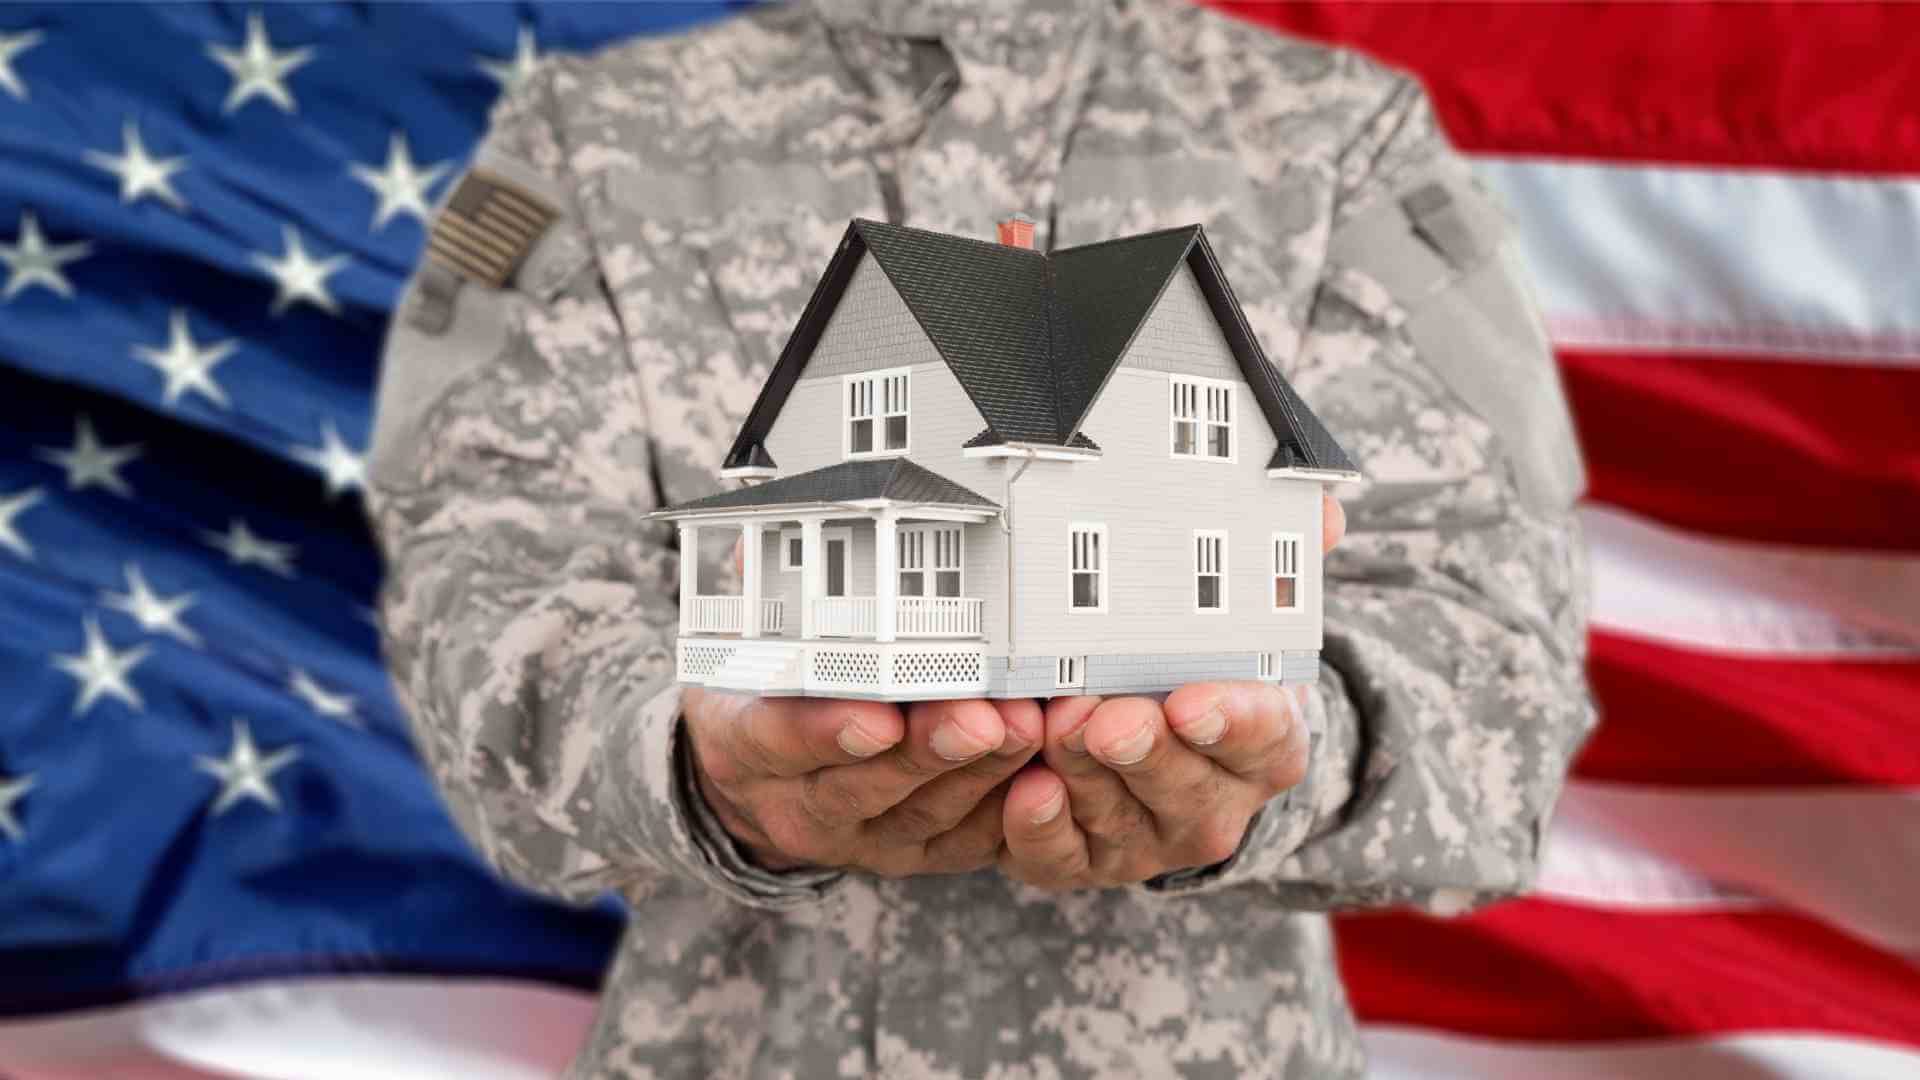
(860, 784)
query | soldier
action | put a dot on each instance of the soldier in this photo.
(1099, 888)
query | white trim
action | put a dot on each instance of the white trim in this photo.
(787, 538)
(1103, 572)
(1220, 571)
(1298, 576)
(879, 415)
(749, 472)
(788, 511)
(1270, 666)
(830, 533)
(929, 569)
(1325, 476)
(1202, 385)
(1070, 673)
(1037, 451)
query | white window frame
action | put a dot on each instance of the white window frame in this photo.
(1220, 571)
(788, 538)
(1279, 570)
(1103, 573)
(1269, 666)
(1070, 673)
(930, 567)
(879, 398)
(1199, 397)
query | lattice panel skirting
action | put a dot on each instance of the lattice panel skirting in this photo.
(700, 661)
(957, 669)
(846, 667)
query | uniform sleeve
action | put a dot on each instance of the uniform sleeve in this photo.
(1452, 692)
(529, 612)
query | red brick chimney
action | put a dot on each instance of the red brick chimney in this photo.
(1017, 231)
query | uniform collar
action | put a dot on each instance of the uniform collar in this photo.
(939, 18)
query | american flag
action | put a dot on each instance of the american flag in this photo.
(218, 853)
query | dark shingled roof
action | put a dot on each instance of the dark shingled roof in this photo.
(1033, 338)
(872, 478)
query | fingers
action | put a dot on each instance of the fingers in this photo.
(944, 801)
(1252, 729)
(1333, 521)
(786, 737)
(1130, 736)
(1043, 845)
(1102, 804)
(941, 736)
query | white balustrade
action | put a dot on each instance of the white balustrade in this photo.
(715, 614)
(938, 616)
(772, 615)
(845, 616)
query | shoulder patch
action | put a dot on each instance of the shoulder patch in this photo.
(487, 227)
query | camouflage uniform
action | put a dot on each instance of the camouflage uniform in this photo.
(701, 183)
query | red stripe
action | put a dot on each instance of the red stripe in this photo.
(1813, 86)
(1759, 449)
(1676, 716)
(1535, 969)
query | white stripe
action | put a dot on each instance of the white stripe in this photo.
(1395, 1052)
(1740, 260)
(1733, 596)
(1849, 857)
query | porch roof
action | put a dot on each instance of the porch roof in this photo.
(892, 479)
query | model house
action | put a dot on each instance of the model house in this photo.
(980, 470)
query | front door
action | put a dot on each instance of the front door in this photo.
(837, 566)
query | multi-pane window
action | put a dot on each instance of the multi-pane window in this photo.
(1202, 417)
(1286, 571)
(1087, 568)
(930, 560)
(1070, 673)
(877, 412)
(1209, 571)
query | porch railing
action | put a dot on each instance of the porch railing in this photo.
(937, 616)
(845, 616)
(773, 612)
(715, 614)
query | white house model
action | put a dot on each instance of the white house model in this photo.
(978, 470)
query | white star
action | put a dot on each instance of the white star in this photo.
(11, 789)
(12, 45)
(402, 186)
(333, 706)
(344, 469)
(243, 548)
(12, 506)
(90, 462)
(156, 614)
(31, 261)
(256, 69)
(185, 364)
(244, 773)
(100, 670)
(299, 275)
(140, 173)
(511, 73)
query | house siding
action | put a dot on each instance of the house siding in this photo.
(1182, 335)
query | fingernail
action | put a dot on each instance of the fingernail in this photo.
(1133, 748)
(1209, 729)
(1050, 809)
(857, 742)
(1075, 741)
(955, 743)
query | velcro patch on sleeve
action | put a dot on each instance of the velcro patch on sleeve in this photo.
(487, 227)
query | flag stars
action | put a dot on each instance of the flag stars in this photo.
(330, 705)
(32, 261)
(246, 773)
(156, 614)
(299, 276)
(11, 507)
(402, 186)
(91, 462)
(11, 46)
(100, 671)
(244, 548)
(344, 469)
(258, 70)
(12, 789)
(140, 173)
(512, 73)
(186, 366)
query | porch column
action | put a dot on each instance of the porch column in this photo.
(689, 572)
(813, 572)
(750, 578)
(886, 574)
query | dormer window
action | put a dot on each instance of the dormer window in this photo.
(876, 404)
(1203, 413)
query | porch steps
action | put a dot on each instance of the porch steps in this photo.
(768, 668)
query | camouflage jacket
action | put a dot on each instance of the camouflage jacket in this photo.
(701, 182)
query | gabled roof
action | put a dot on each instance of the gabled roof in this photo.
(896, 479)
(1034, 338)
